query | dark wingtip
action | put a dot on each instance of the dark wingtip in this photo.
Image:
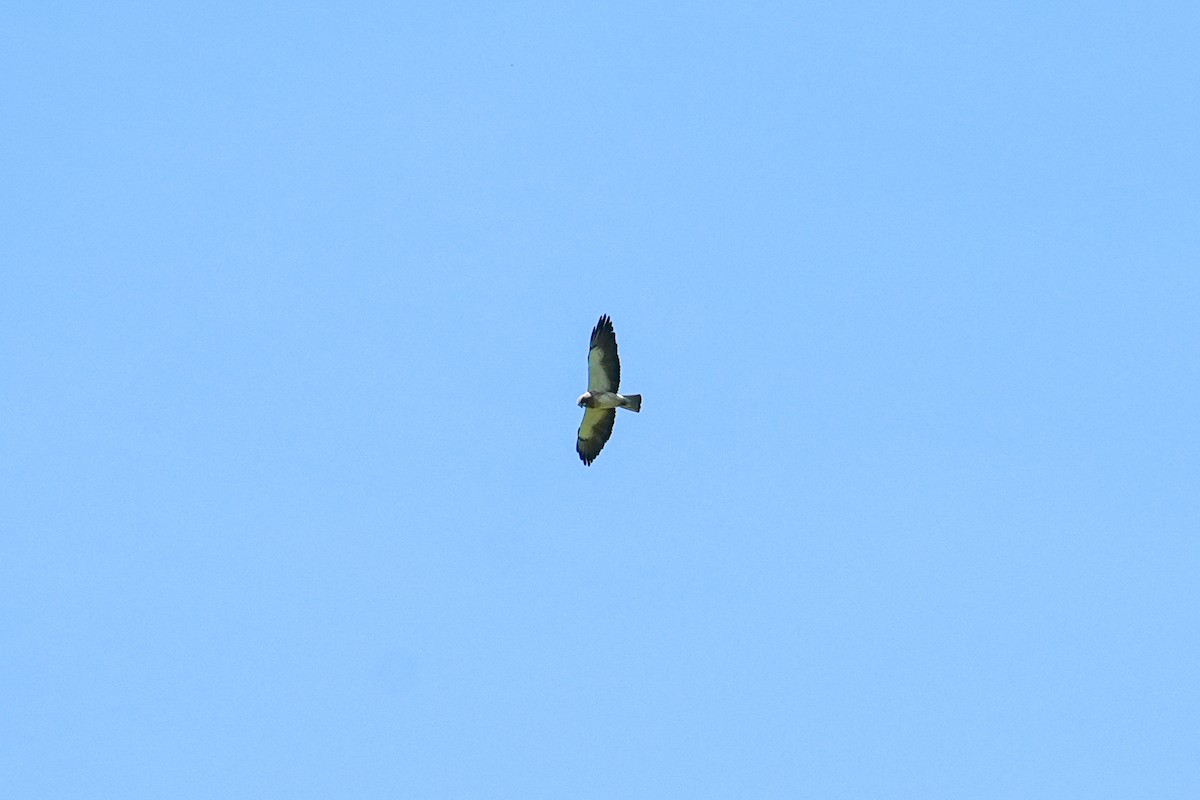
(604, 326)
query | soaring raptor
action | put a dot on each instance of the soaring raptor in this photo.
(601, 401)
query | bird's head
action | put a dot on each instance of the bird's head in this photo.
(585, 400)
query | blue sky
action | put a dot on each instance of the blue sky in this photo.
(295, 309)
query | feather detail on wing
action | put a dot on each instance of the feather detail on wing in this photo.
(594, 431)
(604, 369)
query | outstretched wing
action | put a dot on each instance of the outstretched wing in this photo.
(594, 432)
(604, 370)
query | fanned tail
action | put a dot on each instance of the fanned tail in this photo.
(633, 402)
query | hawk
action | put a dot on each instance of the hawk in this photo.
(601, 401)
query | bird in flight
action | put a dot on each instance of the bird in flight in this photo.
(601, 401)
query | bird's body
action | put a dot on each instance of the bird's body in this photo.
(610, 400)
(601, 401)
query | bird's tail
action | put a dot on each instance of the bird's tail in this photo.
(633, 402)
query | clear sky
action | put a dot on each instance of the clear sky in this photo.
(295, 306)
